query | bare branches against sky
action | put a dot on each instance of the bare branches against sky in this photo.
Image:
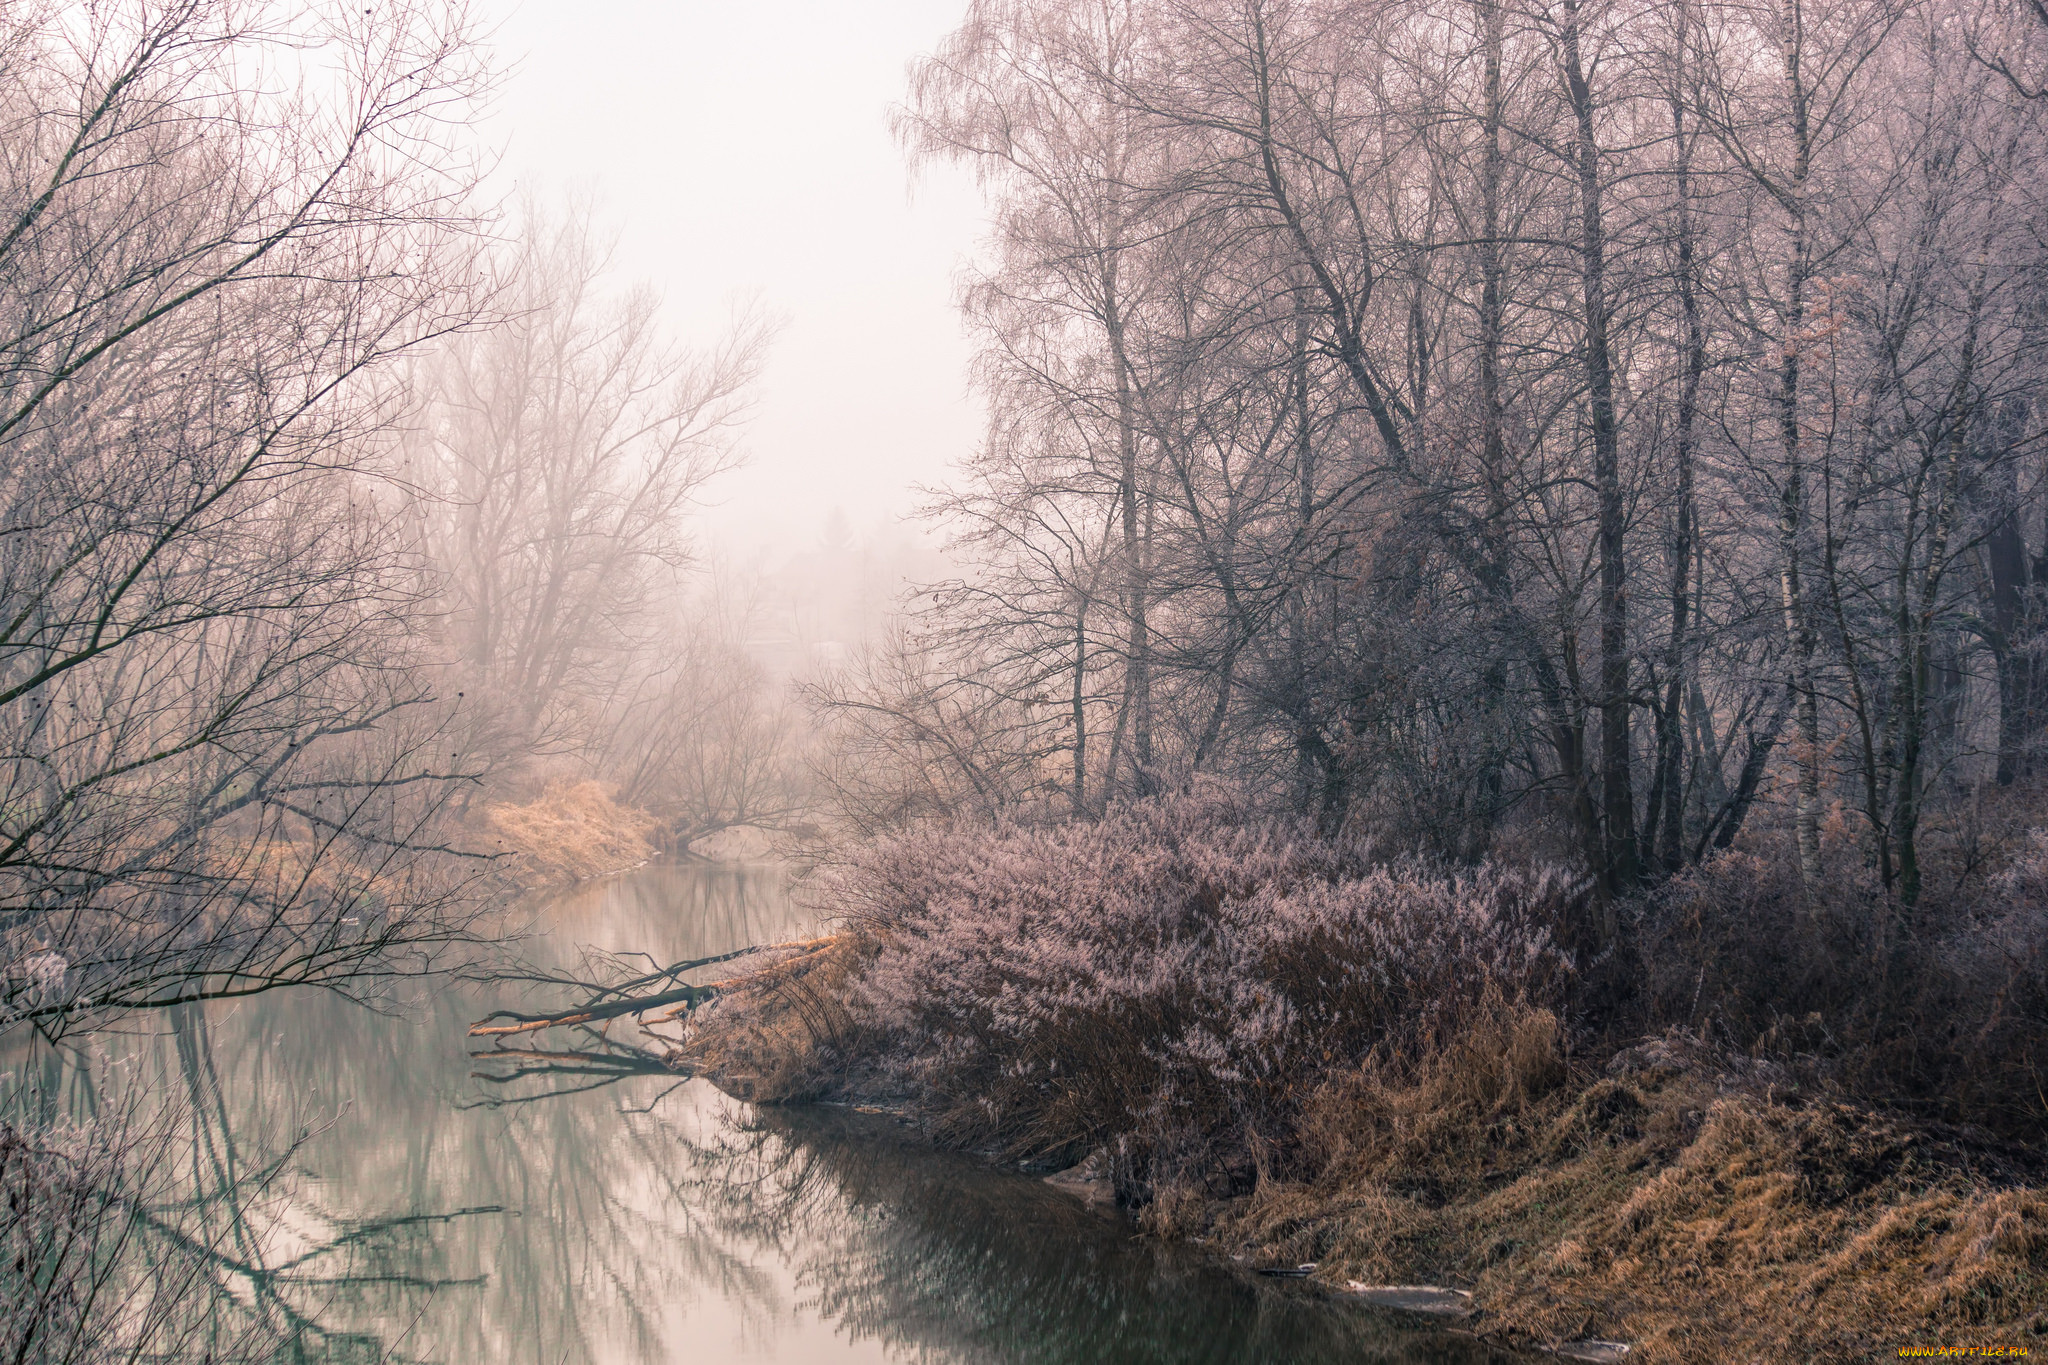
(744, 151)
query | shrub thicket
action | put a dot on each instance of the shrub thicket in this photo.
(1174, 981)
(1180, 981)
(1940, 1010)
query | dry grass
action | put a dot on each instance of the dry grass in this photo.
(572, 833)
(1683, 1206)
(774, 1035)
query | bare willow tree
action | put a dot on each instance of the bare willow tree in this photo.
(219, 770)
(558, 456)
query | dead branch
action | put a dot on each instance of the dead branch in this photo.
(685, 996)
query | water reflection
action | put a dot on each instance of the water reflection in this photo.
(352, 1188)
(944, 1260)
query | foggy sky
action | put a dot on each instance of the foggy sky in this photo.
(744, 149)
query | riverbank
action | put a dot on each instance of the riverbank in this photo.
(1692, 1203)
(1297, 1054)
(1679, 1204)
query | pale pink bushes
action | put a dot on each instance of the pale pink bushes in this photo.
(1176, 976)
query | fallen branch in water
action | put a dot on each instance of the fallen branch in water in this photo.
(600, 989)
(686, 996)
(587, 1014)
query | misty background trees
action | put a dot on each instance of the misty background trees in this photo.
(556, 460)
(337, 508)
(1588, 434)
(1591, 430)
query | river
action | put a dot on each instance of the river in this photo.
(395, 1207)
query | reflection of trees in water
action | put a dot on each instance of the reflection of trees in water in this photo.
(335, 1195)
(193, 1247)
(595, 1244)
(672, 910)
(944, 1260)
(404, 1226)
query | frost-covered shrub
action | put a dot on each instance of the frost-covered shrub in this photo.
(1941, 1007)
(1175, 975)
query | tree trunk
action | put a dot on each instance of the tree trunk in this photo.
(1138, 644)
(2011, 579)
(1079, 703)
(1493, 441)
(1670, 734)
(1919, 642)
(1620, 860)
(1799, 634)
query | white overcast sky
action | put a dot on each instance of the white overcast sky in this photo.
(743, 148)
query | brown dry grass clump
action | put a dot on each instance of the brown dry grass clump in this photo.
(773, 1034)
(572, 833)
(1680, 1203)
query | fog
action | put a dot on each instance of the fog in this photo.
(1495, 532)
(743, 150)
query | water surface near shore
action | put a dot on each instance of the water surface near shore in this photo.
(582, 1219)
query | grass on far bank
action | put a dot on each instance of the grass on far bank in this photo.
(571, 832)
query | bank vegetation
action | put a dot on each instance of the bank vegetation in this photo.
(1492, 727)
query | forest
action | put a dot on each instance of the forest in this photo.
(1492, 654)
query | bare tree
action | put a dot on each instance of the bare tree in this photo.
(1028, 95)
(1438, 329)
(219, 770)
(557, 458)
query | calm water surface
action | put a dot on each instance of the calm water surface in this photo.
(430, 1215)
